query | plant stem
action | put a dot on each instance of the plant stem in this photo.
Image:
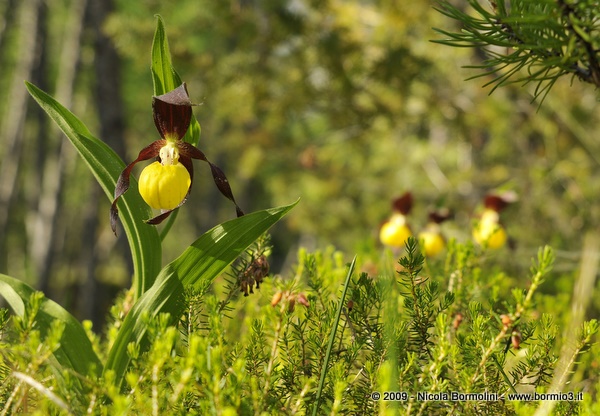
(272, 357)
(332, 338)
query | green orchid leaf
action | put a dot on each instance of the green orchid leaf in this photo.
(163, 74)
(75, 351)
(196, 268)
(106, 166)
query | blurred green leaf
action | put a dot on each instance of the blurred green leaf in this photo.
(106, 166)
(196, 268)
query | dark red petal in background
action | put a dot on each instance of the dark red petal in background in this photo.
(186, 161)
(122, 186)
(403, 204)
(172, 112)
(440, 215)
(163, 215)
(498, 202)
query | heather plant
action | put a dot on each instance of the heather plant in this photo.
(327, 339)
(213, 332)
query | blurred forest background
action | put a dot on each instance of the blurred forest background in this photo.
(344, 104)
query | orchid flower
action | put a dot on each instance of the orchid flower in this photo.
(396, 230)
(489, 231)
(166, 183)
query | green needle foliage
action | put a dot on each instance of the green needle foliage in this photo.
(529, 41)
(298, 344)
(420, 299)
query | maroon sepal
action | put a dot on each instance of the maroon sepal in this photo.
(150, 151)
(160, 218)
(188, 150)
(403, 204)
(172, 112)
(498, 202)
(163, 215)
(440, 215)
(186, 161)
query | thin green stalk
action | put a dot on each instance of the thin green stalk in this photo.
(332, 338)
(504, 376)
(168, 224)
(272, 357)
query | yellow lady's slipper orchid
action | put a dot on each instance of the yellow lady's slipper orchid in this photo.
(395, 231)
(488, 232)
(164, 186)
(166, 183)
(432, 240)
(431, 237)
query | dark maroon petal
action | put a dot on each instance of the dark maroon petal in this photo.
(159, 218)
(172, 112)
(403, 204)
(163, 216)
(440, 215)
(187, 162)
(498, 202)
(187, 150)
(146, 153)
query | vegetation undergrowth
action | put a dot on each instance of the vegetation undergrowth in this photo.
(394, 343)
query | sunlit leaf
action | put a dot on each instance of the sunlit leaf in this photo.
(75, 351)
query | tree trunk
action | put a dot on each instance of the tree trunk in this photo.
(11, 131)
(6, 15)
(107, 91)
(107, 67)
(44, 220)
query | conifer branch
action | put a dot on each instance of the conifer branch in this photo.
(529, 42)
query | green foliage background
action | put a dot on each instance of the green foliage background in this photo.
(345, 104)
(348, 104)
